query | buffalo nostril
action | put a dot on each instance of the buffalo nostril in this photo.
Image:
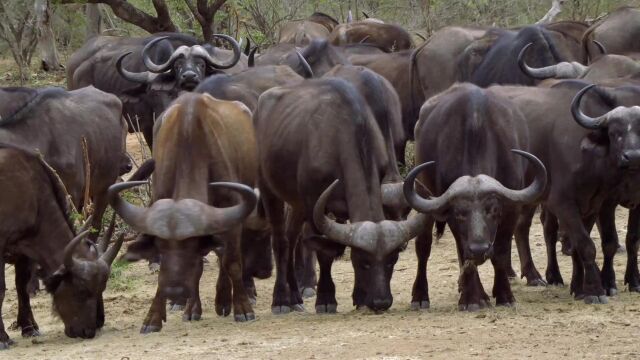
(479, 248)
(188, 75)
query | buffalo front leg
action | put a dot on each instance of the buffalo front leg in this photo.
(193, 306)
(305, 264)
(607, 227)
(5, 341)
(232, 262)
(632, 275)
(326, 302)
(527, 267)
(550, 228)
(502, 261)
(420, 292)
(156, 315)
(25, 321)
(294, 223)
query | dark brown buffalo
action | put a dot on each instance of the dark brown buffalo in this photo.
(148, 73)
(297, 161)
(618, 33)
(205, 162)
(469, 132)
(386, 36)
(55, 122)
(587, 160)
(36, 227)
(302, 32)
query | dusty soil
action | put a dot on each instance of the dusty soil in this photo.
(545, 323)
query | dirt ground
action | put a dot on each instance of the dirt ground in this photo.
(546, 322)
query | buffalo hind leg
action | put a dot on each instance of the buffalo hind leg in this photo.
(501, 261)
(632, 275)
(305, 265)
(25, 321)
(420, 292)
(527, 267)
(609, 236)
(294, 223)
(550, 229)
(5, 341)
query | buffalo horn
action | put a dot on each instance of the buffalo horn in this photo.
(582, 119)
(69, 261)
(211, 62)
(531, 192)
(153, 67)
(308, 72)
(144, 77)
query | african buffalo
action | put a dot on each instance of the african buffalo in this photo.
(302, 32)
(386, 36)
(617, 32)
(205, 162)
(313, 60)
(297, 162)
(472, 181)
(148, 73)
(74, 272)
(56, 123)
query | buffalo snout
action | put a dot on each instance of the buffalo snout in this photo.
(86, 333)
(381, 304)
(629, 159)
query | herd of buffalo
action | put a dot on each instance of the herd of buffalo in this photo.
(295, 150)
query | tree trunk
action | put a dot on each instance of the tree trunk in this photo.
(94, 20)
(556, 8)
(46, 39)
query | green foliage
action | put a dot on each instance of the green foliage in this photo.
(121, 277)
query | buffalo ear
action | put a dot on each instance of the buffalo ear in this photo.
(52, 283)
(143, 247)
(596, 144)
(325, 246)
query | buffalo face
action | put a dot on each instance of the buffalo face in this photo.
(622, 126)
(476, 219)
(189, 72)
(373, 278)
(78, 285)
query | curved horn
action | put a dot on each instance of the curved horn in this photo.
(601, 47)
(153, 67)
(533, 191)
(582, 119)
(337, 232)
(69, 261)
(221, 219)
(308, 72)
(236, 54)
(111, 254)
(252, 57)
(131, 214)
(538, 73)
(392, 195)
(141, 77)
(416, 201)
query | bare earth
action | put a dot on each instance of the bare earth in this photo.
(546, 323)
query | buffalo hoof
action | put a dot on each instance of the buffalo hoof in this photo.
(176, 307)
(32, 332)
(4, 345)
(298, 308)
(244, 317)
(308, 293)
(420, 305)
(280, 310)
(148, 329)
(593, 299)
(473, 307)
(154, 267)
(327, 309)
(511, 273)
(191, 317)
(621, 249)
(224, 310)
(634, 288)
(611, 291)
(506, 304)
(536, 282)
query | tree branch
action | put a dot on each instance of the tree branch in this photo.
(556, 8)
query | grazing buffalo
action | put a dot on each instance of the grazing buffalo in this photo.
(302, 32)
(472, 181)
(386, 36)
(57, 123)
(205, 168)
(588, 159)
(297, 163)
(148, 73)
(618, 32)
(74, 272)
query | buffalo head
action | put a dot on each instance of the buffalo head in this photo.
(473, 205)
(622, 127)
(374, 249)
(187, 66)
(182, 230)
(78, 285)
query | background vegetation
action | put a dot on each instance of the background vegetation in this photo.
(259, 20)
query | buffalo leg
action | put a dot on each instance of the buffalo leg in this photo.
(224, 299)
(501, 261)
(5, 341)
(294, 223)
(527, 267)
(156, 315)
(306, 270)
(472, 294)
(609, 236)
(193, 306)
(326, 302)
(550, 228)
(632, 275)
(420, 291)
(584, 258)
(26, 322)
(232, 262)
